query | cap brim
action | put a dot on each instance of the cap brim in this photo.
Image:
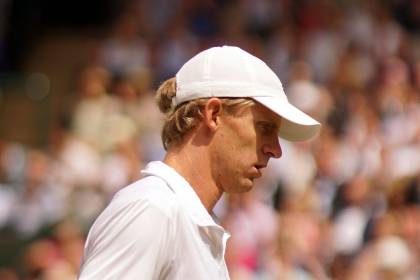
(296, 125)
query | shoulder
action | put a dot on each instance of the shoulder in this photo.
(137, 212)
(137, 227)
(150, 190)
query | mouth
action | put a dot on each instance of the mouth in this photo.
(258, 168)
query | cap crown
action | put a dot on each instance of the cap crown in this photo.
(226, 72)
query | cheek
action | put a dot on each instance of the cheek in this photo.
(235, 160)
(227, 164)
(239, 151)
(234, 151)
(243, 148)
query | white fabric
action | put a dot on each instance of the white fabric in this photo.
(155, 228)
(231, 72)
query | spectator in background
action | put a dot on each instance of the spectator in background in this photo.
(97, 117)
(253, 225)
(137, 102)
(38, 202)
(124, 51)
(57, 257)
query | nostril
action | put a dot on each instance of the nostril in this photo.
(274, 152)
(274, 149)
(277, 152)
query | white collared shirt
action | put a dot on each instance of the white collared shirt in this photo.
(155, 228)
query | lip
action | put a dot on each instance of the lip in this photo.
(260, 166)
(257, 168)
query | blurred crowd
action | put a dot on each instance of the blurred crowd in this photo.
(345, 205)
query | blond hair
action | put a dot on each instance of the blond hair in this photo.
(184, 117)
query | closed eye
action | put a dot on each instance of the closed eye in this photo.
(267, 127)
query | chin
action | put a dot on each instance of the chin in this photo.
(246, 186)
(241, 186)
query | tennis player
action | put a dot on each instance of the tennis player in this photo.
(225, 111)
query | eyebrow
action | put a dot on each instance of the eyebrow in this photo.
(269, 123)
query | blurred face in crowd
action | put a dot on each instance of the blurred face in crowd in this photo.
(242, 145)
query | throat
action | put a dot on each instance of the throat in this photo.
(198, 175)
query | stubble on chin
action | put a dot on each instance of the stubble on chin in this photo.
(245, 185)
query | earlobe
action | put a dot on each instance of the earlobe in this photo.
(212, 111)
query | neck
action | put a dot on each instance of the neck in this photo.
(192, 162)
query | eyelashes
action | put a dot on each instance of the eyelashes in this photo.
(266, 127)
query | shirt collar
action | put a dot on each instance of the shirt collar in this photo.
(183, 190)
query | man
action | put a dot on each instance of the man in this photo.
(224, 112)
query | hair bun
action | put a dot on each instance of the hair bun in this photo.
(164, 95)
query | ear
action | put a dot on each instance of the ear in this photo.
(211, 113)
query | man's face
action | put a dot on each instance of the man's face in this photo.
(242, 146)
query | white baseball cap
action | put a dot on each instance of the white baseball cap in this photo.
(232, 72)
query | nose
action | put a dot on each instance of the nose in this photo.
(273, 149)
